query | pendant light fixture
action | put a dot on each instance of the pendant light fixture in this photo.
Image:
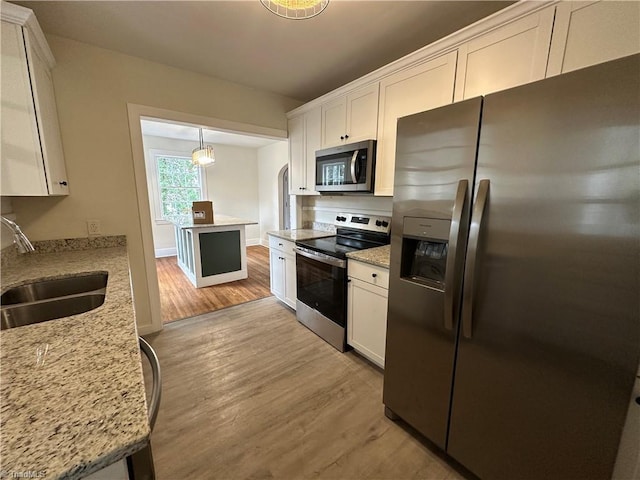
(203, 155)
(295, 9)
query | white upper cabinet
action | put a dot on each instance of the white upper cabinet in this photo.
(350, 118)
(32, 162)
(525, 42)
(587, 33)
(421, 87)
(507, 56)
(304, 140)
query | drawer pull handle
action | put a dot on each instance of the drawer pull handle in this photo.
(374, 275)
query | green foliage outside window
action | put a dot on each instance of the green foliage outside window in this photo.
(179, 182)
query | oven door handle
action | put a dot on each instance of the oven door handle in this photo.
(322, 258)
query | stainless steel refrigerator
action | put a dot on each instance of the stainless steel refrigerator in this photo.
(513, 330)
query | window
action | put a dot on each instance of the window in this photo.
(179, 183)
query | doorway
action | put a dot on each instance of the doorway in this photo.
(137, 114)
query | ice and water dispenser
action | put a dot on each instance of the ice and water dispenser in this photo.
(425, 242)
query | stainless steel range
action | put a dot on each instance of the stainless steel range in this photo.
(321, 273)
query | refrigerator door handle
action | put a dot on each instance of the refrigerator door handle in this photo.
(454, 242)
(472, 254)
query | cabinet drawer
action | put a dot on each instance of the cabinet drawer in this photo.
(369, 273)
(285, 246)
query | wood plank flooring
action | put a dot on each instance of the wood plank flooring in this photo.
(180, 299)
(250, 393)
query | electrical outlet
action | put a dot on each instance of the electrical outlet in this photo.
(93, 228)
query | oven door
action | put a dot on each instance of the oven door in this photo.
(322, 284)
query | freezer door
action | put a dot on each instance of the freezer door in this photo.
(435, 161)
(546, 367)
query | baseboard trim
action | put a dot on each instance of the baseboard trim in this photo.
(166, 252)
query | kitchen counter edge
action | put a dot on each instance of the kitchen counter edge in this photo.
(378, 256)
(300, 234)
(73, 397)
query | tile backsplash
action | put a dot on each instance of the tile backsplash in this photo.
(319, 212)
(9, 254)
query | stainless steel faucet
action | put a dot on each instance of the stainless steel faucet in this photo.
(19, 238)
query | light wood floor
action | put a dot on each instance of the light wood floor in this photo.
(180, 299)
(250, 393)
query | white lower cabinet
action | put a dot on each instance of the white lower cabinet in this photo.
(367, 310)
(628, 461)
(282, 268)
(115, 471)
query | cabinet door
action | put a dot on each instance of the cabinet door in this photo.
(290, 280)
(22, 166)
(510, 55)
(277, 273)
(334, 126)
(297, 155)
(588, 33)
(362, 114)
(422, 87)
(313, 120)
(47, 117)
(367, 320)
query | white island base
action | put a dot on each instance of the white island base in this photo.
(210, 254)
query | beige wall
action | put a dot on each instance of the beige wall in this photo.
(232, 186)
(93, 87)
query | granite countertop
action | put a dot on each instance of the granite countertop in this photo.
(300, 234)
(378, 256)
(72, 389)
(218, 221)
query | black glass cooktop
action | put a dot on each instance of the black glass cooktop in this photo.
(339, 245)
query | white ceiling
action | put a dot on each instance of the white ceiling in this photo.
(241, 41)
(186, 132)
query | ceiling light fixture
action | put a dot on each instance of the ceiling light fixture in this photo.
(295, 9)
(203, 155)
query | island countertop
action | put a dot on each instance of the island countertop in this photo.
(218, 221)
(72, 389)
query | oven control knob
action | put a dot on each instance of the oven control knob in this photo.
(378, 223)
(385, 223)
(338, 218)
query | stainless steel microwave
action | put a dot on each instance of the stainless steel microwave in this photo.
(346, 168)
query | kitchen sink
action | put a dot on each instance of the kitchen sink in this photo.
(45, 300)
(54, 288)
(35, 312)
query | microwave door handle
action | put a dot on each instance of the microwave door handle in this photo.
(354, 159)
